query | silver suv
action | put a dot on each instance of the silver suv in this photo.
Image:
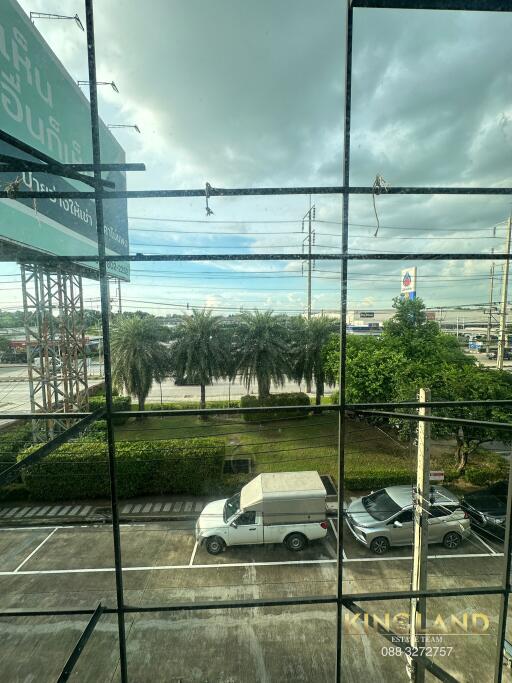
(384, 518)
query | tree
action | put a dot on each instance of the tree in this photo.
(200, 350)
(261, 350)
(471, 383)
(412, 353)
(372, 368)
(139, 356)
(309, 339)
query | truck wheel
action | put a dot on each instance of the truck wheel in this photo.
(379, 545)
(295, 542)
(214, 545)
(452, 540)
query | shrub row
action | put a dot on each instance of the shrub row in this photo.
(284, 399)
(118, 403)
(191, 405)
(80, 470)
(12, 441)
(376, 478)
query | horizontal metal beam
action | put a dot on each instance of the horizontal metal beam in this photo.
(392, 256)
(77, 650)
(32, 151)
(270, 602)
(502, 426)
(468, 5)
(10, 164)
(260, 191)
(325, 407)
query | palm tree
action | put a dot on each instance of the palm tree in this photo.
(261, 350)
(309, 340)
(200, 350)
(138, 355)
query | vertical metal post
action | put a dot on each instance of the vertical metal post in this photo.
(309, 259)
(120, 305)
(507, 566)
(105, 308)
(84, 402)
(491, 295)
(504, 296)
(343, 337)
(418, 610)
(28, 342)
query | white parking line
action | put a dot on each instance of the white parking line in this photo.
(166, 567)
(493, 552)
(430, 557)
(336, 534)
(228, 565)
(34, 551)
(193, 555)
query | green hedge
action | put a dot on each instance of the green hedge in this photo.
(12, 441)
(118, 402)
(80, 470)
(189, 405)
(11, 493)
(373, 478)
(284, 399)
(492, 469)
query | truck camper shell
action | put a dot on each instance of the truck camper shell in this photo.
(285, 497)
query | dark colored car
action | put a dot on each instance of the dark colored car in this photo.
(487, 509)
(507, 355)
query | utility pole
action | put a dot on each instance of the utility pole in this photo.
(310, 239)
(491, 296)
(504, 295)
(421, 500)
(120, 307)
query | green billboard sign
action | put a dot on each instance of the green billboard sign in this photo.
(41, 105)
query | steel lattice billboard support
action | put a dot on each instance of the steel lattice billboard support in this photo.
(55, 339)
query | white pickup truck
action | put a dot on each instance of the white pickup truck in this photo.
(284, 507)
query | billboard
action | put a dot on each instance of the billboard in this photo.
(408, 283)
(41, 105)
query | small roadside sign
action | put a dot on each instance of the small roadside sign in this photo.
(436, 475)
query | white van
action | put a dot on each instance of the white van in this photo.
(281, 507)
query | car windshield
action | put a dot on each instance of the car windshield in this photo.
(231, 506)
(379, 505)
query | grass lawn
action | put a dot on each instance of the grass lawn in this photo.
(373, 457)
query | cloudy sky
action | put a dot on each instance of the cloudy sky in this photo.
(238, 93)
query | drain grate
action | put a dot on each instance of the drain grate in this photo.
(237, 466)
(103, 512)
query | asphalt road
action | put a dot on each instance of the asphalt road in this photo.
(15, 397)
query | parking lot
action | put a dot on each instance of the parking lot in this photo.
(72, 567)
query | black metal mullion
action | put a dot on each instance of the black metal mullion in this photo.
(105, 308)
(337, 256)
(343, 339)
(77, 651)
(258, 192)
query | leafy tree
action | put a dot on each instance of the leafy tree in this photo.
(5, 345)
(309, 339)
(467, 382)
(139, 356)
(412, 353)
(200, 350)
(261, 350)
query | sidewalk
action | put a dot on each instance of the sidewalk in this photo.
(157, 508)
